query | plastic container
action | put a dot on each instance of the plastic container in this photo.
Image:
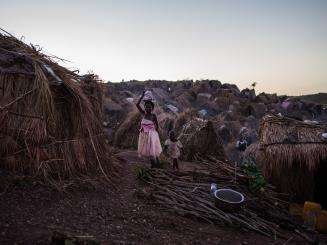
(311, 210)
(213, 188)
(296, 209)
(148, 96)
(322, 221)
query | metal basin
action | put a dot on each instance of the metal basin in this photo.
(228, 199)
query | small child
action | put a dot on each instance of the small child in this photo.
(173, 147)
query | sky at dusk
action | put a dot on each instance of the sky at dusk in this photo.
(280, 44)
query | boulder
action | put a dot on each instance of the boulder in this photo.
(248, 94)
(253, 109)
(231, 87)
(130, 100)
(172, 108)
(222, 103)
(111, 106)
(267, 98)
(160, 95)
(205, 96)
(203, 113)
(258, 109)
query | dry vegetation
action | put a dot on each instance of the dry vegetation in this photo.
(50, 120)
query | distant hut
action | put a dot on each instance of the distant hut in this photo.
(127, 133)
(200, 140)
(293, 155)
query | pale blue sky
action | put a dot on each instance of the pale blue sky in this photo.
(281, 44)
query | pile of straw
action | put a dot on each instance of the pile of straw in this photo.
(127, 133)
(49, 116)
(199, 139)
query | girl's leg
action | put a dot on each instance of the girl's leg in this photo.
(175, 164)
(153, 162)
(157, 162)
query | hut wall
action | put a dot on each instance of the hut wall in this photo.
(296, 180)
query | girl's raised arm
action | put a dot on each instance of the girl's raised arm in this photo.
(139, 102)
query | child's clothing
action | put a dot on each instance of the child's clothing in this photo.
(174, 148)
(149, 143)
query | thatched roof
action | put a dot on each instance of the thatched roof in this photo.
(200, 140)
(288, 141)
(50, 117)
(128, 131)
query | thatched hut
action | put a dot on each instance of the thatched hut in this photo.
(199, 139)
(128, 131)
(294, 157)
(50, 117)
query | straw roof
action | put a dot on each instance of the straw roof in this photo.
(50, 117)
(128, 131)
(286, 141)
(200, 140)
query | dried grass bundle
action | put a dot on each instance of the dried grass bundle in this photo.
(128, 132)
(49, 117)
(291, 153)
(200, 139)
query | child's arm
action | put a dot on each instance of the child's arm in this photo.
(165, 149)
(180, 146)
(139, 102)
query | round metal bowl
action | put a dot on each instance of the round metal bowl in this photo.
(228, 199)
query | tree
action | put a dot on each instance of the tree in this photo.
(253, 85)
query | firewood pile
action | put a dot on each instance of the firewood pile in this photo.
(188, 193)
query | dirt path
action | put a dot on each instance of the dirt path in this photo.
(30, 214)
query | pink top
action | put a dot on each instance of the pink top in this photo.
(147, 126)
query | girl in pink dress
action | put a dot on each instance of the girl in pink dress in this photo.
(149, 143)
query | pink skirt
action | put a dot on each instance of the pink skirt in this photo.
(149, 144)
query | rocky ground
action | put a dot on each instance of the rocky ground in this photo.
(235, 113)
(33, 214)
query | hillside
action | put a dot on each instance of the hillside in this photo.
(70, 174)
(177, 102)
(317, 98)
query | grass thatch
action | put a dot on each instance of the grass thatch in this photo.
(49, 116)
(184, 118)
(199, 139)
(127, 133)
(290, 152)
(287, 140)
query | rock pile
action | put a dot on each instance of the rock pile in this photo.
(229, 109)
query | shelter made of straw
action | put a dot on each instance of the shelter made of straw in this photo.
(50, 117)
(293, 155)
(199, 139)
